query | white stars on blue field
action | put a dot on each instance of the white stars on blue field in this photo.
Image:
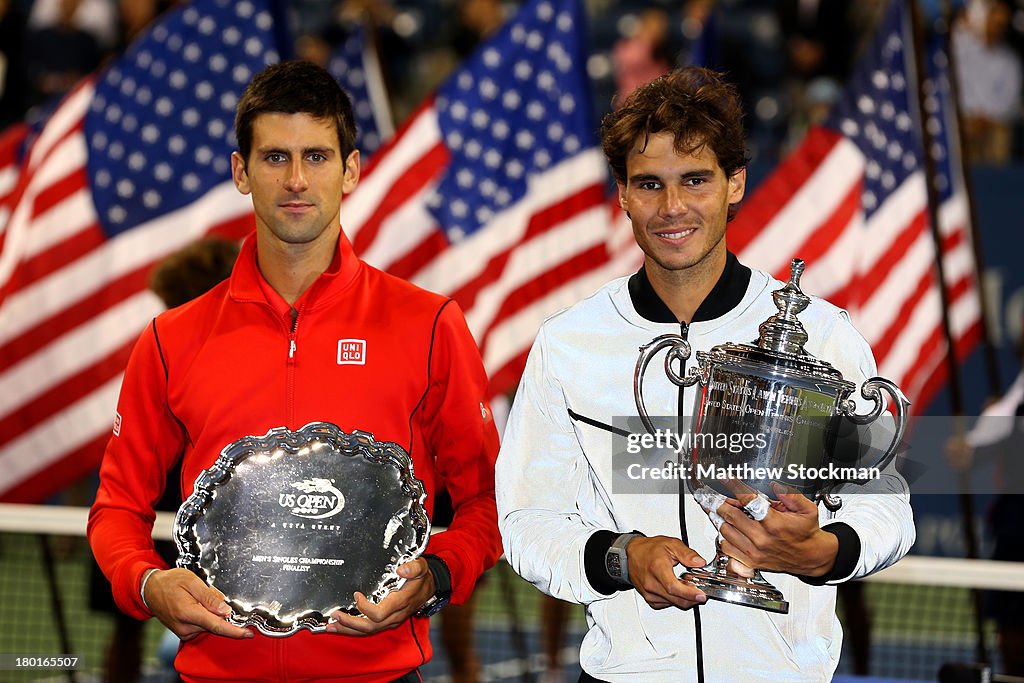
(159, 130)
(874, 114)
(513, 110)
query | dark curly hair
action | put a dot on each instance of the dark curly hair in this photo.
(295, 87)
(696, 105)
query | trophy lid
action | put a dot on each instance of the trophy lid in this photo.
(783, 332)
(782, 336)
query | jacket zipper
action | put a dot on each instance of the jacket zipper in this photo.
(290, 374)
(684, 332)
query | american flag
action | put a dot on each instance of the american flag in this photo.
(12, 142)
(355, 64)
(131, 166)
(494, 191)
(852, 201)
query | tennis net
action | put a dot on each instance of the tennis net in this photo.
(903, 623)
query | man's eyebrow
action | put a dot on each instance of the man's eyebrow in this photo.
(697, 173)
(644, 177)
(272, 149)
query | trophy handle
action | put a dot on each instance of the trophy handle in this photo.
(870, 391)
(831, 501)
(680, 350)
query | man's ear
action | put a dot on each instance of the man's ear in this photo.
(622, 198)
(351, 172)
(737, 188)
(737, 185)
(239, 173)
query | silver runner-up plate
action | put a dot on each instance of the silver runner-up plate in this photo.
(290, 524)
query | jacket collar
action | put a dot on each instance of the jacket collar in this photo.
(248, 283)
(724, 296)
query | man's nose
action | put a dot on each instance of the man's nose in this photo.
(675, 202)
(296, 180)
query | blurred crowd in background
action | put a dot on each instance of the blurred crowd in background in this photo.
(789, 57)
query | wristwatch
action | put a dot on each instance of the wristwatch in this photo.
(615, 561)
(443, 587)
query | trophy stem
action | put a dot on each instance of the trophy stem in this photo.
(719, 583)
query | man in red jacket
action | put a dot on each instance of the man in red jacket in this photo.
(263, 350)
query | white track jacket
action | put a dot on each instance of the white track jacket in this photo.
(554, 490)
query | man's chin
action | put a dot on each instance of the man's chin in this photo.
(298, 238)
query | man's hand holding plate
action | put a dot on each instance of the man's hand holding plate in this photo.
(394, 609)
(189, 607)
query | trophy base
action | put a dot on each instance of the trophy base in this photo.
(718, 583)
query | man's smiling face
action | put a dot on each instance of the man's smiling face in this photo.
(678, 204)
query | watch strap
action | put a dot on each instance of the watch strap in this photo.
(442, 586)
(594, 562)
(616, 561)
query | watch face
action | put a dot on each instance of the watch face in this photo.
(433, 606)
(613, 562)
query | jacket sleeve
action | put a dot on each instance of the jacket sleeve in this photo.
(146, 443)
(543, 484)
(877, 513)
(459, 428)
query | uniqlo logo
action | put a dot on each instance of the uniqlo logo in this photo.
(351, 352)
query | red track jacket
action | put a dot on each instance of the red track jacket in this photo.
(231, 363)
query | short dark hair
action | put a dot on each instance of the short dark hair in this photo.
(295, 87)
(696, 105)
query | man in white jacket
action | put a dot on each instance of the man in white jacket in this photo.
(677, 153)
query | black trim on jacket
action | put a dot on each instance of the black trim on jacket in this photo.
(596, 423)
(847, 555)
(723, 297)
(167, 376)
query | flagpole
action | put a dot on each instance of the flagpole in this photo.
(927, 140)
(991, 358)
(282, 29)
(377, 86)
(952, 365)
